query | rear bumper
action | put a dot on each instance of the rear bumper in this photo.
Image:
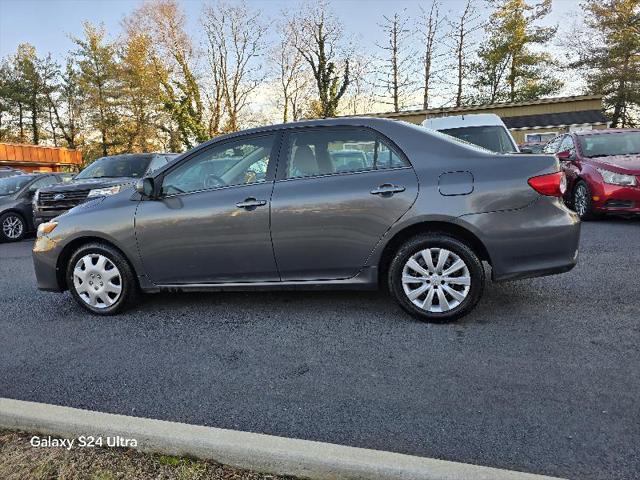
(619, 199)
(538, 240)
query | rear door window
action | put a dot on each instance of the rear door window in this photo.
(326, 151)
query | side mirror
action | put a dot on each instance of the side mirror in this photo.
(145, 187)
(565, 155)
(526, 150)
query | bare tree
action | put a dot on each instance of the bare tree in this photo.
(397, 63)
(289, 67)
(430, 24)
(235, 36)
(318, 36)
(461, 32)
(361, 97)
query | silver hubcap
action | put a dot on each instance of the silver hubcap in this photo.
(581, 200)
(97, 280)
(12, 227)
(436, 280)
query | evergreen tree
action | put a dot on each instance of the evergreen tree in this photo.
(510, 67)
(610, 53)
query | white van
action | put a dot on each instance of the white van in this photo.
(484, 129)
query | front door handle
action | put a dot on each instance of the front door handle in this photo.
(250, 203)
(387, 190)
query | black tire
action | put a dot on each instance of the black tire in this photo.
(5, 230)
(583, 205)
(459, 249)
(130, 291)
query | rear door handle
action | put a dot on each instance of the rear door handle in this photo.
(387, 190)
(250, 203)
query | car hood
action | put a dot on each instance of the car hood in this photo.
(88, 183)
(629, 164)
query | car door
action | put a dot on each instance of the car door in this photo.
(210, 223)
(339, 189)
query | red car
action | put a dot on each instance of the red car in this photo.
(602, 169)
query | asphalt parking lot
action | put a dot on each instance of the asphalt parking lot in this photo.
(543, 377)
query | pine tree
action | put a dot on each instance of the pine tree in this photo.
(509, 68)
(609, 52)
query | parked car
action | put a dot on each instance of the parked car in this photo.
(603, 171)
(348, 160)
(106, 176)
(16, 192)
(532, 147)
(9, 172)
(421, 221)
(484, 129)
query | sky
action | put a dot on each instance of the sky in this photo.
(49, 24)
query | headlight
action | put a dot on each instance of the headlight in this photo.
(617, 178)
(34, 200)
(104, 192)
(46, 227)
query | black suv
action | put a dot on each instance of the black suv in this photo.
(105, 176)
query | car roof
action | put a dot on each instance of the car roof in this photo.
(606, 131)
(355, 121)
(139, 155)
(28, 175)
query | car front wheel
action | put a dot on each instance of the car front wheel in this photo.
(12, 227)
(100, 279)
(436, 278)
(582, 201)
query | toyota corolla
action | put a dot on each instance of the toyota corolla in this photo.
(278, 207)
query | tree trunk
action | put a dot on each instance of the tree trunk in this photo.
(394, 60)
(34, 120)
(21, 121)
(460, 63)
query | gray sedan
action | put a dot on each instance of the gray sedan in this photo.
(279, 207)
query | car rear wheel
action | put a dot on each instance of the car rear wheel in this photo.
(436, 278)
(12, 227)
(101, 280)
(582, 201)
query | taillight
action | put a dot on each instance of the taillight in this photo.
(551, 184)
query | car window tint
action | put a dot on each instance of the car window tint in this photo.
(44, 182)
(338, 150)
(238, 162)
(567, 144)
(157, 162)
(552, 146)
(617, 143)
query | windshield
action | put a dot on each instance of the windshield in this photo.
(11, 185)
(604, 145)
(491, 137)
(113, 167)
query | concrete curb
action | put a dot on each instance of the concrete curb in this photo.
(251, 451)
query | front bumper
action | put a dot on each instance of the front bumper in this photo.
(541, 239)
(606, 198)
(45, 263)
